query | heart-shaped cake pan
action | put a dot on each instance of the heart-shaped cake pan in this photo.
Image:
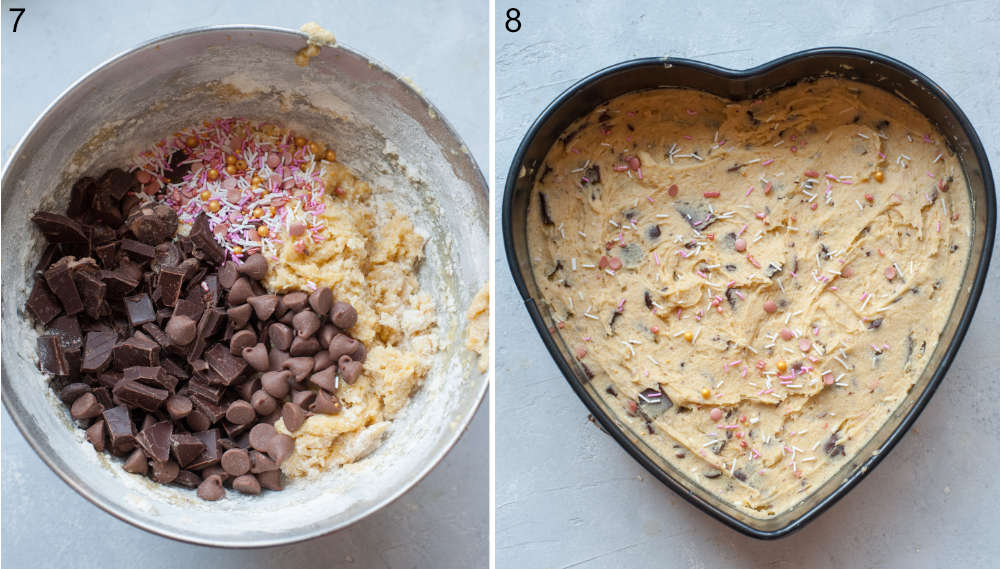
(906, 83)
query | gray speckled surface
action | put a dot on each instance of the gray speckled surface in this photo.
(567, 495)
(443, 521)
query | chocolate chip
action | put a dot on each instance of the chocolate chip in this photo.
(303, 398)
(343, 345)
(280, 336)
(306, 323)
(240, 412)
(254, 267)
(197, 420)
(257, 357)
(325, 403)
(275, 383)
(300, 367)
(72, 391)
(186, 448)
(136, 463)
(181, 330)
(228, 275)
(263, 403)
(343, 315)
(86, 407)
(165, 472)
(240, 292)
(236, 462)
(211, 488)
(263, 305)
(95, 435)
(293, 416)
(294, 301)
(247, 388)
(239, 315)
(304, 346)
(261, 435)
(280, 447)
(155, 440)
(321, 300)
(325, 379)
(323, 360)
(179, 407)
(260, 462)
(242, 339)
(247, 484)
(349, 369)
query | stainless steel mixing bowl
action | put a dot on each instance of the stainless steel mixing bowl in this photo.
(381, 127)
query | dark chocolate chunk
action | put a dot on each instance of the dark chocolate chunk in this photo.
(229, 367)
(118, 283)
(165, 472)
(92, 292)
(192, 310)
(186, 448)
(106, 254)
(120, 428)
(97, 351)
(151, 375)
(67, 329)
(136, 351)
(51, 356)
(155, 441)
(171, 281)
(204, 240)
(153, 224)
(140, 309)
(59, 228)
(137, 251)
(145, 397)
(81, 197)
(42, 303)
(213, 411)
(60, 280)
(187, 479)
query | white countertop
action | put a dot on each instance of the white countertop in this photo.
(567, 495)
(443, 521)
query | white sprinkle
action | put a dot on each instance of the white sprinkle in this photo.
(591, 316)
(652, 359)
(573, 263)
(779, 143)
(863, 135)
(861, 207)
(938, 158)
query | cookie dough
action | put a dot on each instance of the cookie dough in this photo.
(477, 333)
(754, 286)
(369, 256)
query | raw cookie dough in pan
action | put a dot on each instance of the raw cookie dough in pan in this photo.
(754, 286)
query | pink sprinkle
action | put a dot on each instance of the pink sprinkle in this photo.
(749, 190)
(742, 229)
(768, 162)
(656, 257)
(690, 112)
(739, 294)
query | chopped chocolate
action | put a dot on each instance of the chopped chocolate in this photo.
(186, 448)
(151, 375)
(136, 351)
(95, 435)
(153, 224)
(51, 356)
(92, 292)
(136, 462)
(42, 303)
(171, 280)
(86, 407)
(140, 309)
(137, 251)
(204, 240)
(120, 428)
(139, 395)
(67, 329)
(229, 367)
(118, 283)
(60, 280)
(59, 228)
(213, 411)
(97, 351)
(72, 391)
(155, 441)
(187, 479)
(209, 456)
